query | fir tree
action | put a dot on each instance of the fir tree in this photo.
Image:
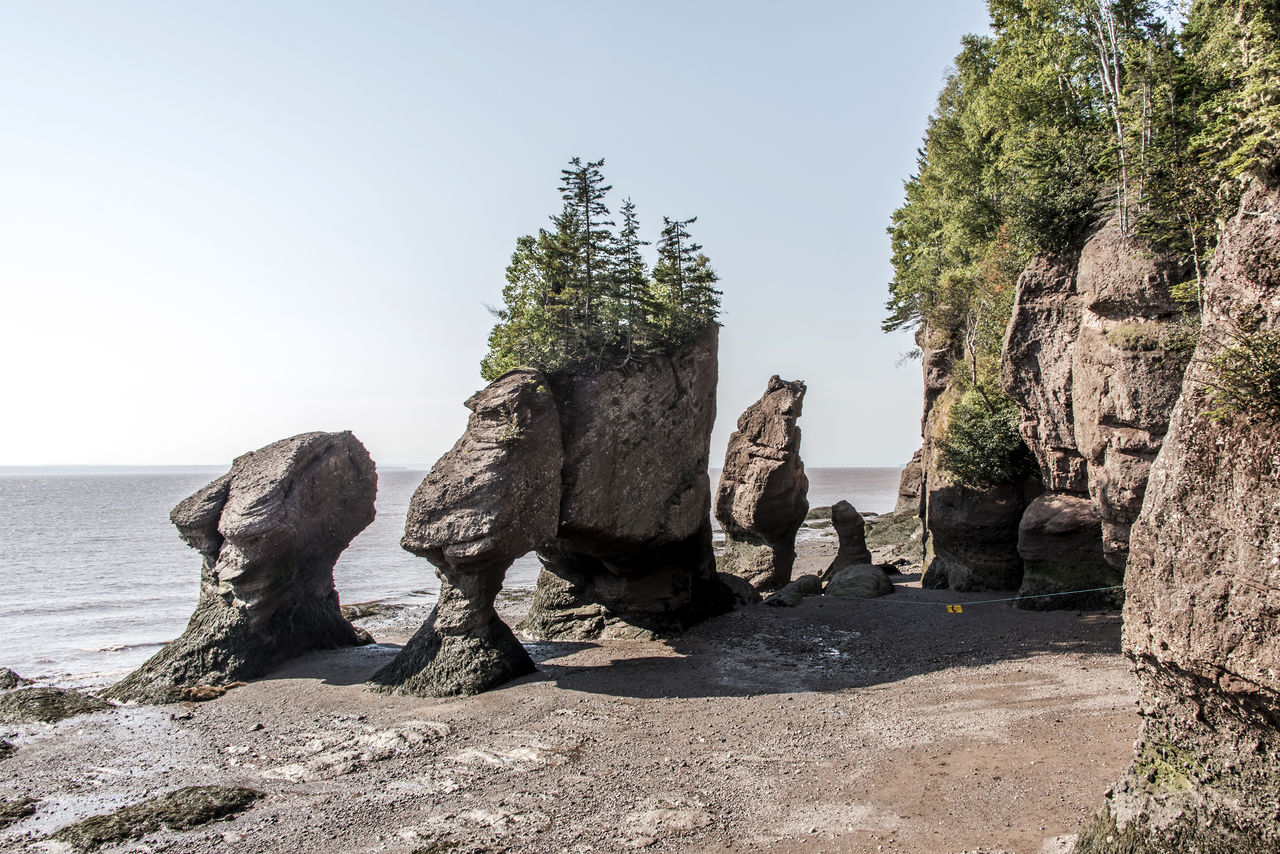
(634, 304)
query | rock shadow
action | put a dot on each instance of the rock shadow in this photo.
(833, 644)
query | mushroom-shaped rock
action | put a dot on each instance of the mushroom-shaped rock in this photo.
(492, 498)
(851, 528)
(632, 557)
(762, 498)
(270, 531)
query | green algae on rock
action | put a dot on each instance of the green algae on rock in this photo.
(180, 810)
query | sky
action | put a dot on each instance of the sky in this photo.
(226, 223)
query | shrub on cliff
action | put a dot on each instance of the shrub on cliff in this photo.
(581, 295)
(982, 447)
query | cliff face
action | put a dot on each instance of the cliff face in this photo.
(1086, 358)
(1203, 592)
(970, 535)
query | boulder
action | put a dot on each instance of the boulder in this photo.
(632, 556)
(762, 497)
(860, 581)
(852, 531)
(792, 594)
(1201, 588)
(492, 498)
(911, 488)
(1060, 541)
(9, 679)
(47, 705)
(270, 532)
(1125, 379)
(972, 539)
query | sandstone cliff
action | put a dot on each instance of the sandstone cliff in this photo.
(1087, 359)
(1202, 588)
(970, 535)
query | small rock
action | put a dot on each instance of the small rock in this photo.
(10, 680)
(179, 810)
(795, 592)
(861, 581)
(12, 812)
(47, 705)
(6, 749)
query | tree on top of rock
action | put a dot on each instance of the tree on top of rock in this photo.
(579, 296)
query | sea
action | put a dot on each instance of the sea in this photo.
(94, 579)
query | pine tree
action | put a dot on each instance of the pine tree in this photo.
(583, 189)
(676, 253)
(633, 304)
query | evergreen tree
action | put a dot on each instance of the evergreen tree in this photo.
(583, 189)
(631, 297)
(579, 296)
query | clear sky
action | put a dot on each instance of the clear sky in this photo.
(226, 223)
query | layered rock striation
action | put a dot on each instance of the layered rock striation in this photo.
(1203, 587)
(602, 473)
(762, 497)
(270, 532)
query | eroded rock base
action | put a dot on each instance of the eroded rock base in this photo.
(767, 566)
(654, 594)
(221, 646)
(435, 664)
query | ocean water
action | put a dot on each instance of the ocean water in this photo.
(93, 576)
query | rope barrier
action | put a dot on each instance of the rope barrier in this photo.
(958, 607)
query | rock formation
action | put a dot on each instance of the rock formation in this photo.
(1085, 359)
(604, 474)
(633, 556)
(1125, 378)
(1060, 534)
(270, 532)
(1201, 590)
(970, 535)
(911, 488)
(762, 498)
(851, 529)
(492, 498)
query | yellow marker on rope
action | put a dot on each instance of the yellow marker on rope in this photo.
(954, 609)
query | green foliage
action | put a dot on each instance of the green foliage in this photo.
(1245, 375)
(982, 447)
(581, 295)
(1068, 113)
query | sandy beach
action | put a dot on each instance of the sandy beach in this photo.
(838, 725)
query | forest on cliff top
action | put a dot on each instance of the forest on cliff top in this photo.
(1070, 113)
